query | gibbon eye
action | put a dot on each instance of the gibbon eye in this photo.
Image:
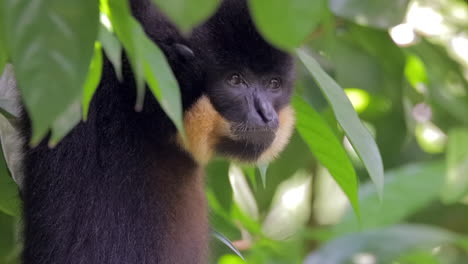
(274, 84)
(235, 80)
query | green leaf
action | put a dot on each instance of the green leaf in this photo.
(65, 122)
(127, 30)
(113, 50)
(92, 81)
(415, 71)
(3, 50)
(187, 13)
(218, 182)
(9, 195)
(447, 87)
(263, 168)
(385, 245)
(357, 133)
(148, 62)
(287, 24)
(407, 190)
(162, 82)
(226, 242)
(327, 148)
(375, 13)
(456, 182)
(51, 44)
(7, 235)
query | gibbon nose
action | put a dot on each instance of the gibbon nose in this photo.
(265, 112)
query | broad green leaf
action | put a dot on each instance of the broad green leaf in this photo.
(7, 235)
(384, 245)
(65, 122)
(161, 81)
(113, 50)
(407, 190)
(73, 114)
(357, 133)
(327, 148)
(127, 30)
(148, 62)
(51, 45)
(375, 13)
(92, 81)
(9, 195)
(417, 257)
(187, 13)
(456, 181)
(287, 24)
(226, 242)
(3, 50)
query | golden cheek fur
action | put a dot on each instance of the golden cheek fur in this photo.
(286, 126)
(205, 127)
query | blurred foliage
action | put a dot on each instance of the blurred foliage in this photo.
(401, 65)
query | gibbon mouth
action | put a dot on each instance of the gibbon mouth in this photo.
(254, 135)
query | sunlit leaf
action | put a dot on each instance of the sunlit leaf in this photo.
(51, 44)
(9, 195)
(187, 13)
(148, 62)
(292, 205)
(327, 148)
(415, 71)
(127, 29)
(357, 133)
(113, 50)
(407, 190)
(456, 182)
(287, 23)
(242, 193)
(382, 245)
(92, 81)
(230, 259)
(375, 13)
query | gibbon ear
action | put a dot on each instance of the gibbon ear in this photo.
(184, 51)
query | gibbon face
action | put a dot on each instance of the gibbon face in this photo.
(248, 85)
(245, 115)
